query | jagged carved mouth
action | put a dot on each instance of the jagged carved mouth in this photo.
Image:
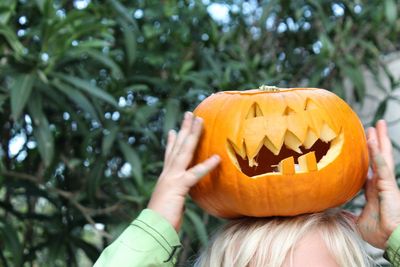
(277, 145)
(288, 161)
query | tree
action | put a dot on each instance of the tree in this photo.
(89, 89)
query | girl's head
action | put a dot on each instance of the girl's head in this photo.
(327, 239)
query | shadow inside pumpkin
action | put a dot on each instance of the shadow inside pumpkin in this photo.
(268, 162)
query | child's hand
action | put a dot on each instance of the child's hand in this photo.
(381, 214)
(176, 179)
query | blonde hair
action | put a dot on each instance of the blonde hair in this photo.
(258, 242)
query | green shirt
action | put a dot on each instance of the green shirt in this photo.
(392, 252)
(151, 241)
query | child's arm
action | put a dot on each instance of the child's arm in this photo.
(176, 179)
(152, 239)
(149, 240)
(381, 214)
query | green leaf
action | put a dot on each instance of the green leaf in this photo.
(390, 11)
(395, 145)
(198, 225)
(56, 247)
(21, 89)
(133, 159)
(137, 88)
(369, 46)
(12, 40)
(327, 44)
(9, 238)
(77, 97)
(41, 130)
(91, 251)
(110, 134)
(7, 8)
(154, 80)
(95, 177)
(121, 9)
(56, 30)
(134, 199)
(356, 76)
(3, 99)
(380, 111)
(144, 113)
(107, 61)
(94, 44)
(197, 80)
(129, 42)
(87, 87)
(41, 5)
(80, 32)
(172, 111)
(187, 65)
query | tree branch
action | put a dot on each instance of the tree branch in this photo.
(86, 212)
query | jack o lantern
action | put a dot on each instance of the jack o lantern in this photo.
(283, 152)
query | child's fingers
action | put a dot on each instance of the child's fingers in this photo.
(170, 144)
(371, 193)
(195, 173)
(185, 155)
(381, 167)
(385, 144)
(181, 137)
(378, 161)
(384, 171)
(373, 146)
(184, 131)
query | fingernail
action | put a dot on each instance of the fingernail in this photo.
(216, 157)
(382, 125)
(187, 114)
(198, 120)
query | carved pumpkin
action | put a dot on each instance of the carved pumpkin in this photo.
(284, 152)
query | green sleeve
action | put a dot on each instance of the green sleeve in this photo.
(150, 240)
(392, 252)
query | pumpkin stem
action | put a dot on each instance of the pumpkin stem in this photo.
(268, 88)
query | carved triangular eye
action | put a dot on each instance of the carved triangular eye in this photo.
(288, 111)
(255, 111)
(310, 105)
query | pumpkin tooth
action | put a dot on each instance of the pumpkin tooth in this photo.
(254, 135)
(253, 163)
(286, 166)
(292, 142)
(275, 129)
(298, 124)
(311, 138)
(268, 144)
(308, 162)
(327, 134)
(234, 149)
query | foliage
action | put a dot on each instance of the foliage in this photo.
(88, 90)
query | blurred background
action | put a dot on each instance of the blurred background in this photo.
(89, 88)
